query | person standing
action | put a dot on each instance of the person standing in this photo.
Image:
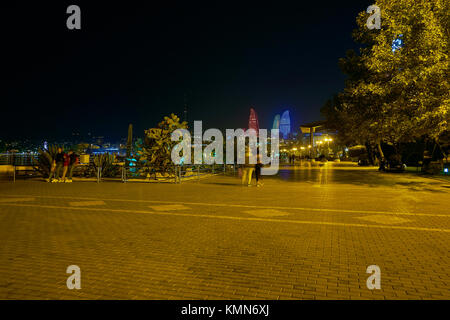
(52, 171)
(66, 167)
(72, 163)
(258, 167)
(247, 170)
(57, 164)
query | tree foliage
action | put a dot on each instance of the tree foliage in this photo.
(398, 95)
(2, 146)
(105, 163)
(155, 150)
(45, 159)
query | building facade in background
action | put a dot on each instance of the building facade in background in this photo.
(285, 125)
(253, 121)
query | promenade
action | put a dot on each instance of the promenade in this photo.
(308, 233)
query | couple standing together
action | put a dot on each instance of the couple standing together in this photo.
(248, 169)
(65, 161)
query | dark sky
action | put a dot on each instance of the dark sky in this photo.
(133, 62)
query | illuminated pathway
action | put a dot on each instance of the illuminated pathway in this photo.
(308, 234)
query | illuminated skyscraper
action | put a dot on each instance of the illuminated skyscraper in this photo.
(397, 43)
(276, 122)
(285, 124)
(253, 121)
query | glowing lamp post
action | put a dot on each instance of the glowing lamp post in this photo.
(328, 140)
(311, 128)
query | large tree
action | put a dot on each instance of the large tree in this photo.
(155, 151)
(397, 93)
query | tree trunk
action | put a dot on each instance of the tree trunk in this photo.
(370, 153)
(380, 151)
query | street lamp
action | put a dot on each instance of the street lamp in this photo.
(328, 140)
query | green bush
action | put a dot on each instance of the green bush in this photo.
(106, 163)
(44, 161)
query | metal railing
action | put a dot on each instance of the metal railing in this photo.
(133, 173)
(192, 172)
(17, 164)
(175, 174)
(17, 159)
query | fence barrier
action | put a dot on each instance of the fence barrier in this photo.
(15, 165)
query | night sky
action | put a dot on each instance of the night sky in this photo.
(134, 63)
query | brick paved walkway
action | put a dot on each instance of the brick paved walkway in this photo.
(307, 234)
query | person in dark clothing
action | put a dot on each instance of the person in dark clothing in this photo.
(66, 167)
(73, 160)
(258, 167)
(57, 164)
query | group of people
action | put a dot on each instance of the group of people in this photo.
(66, 162)
(248, 169)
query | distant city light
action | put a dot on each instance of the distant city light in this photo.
(397, 43)
(276, 122)
(253, 121)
